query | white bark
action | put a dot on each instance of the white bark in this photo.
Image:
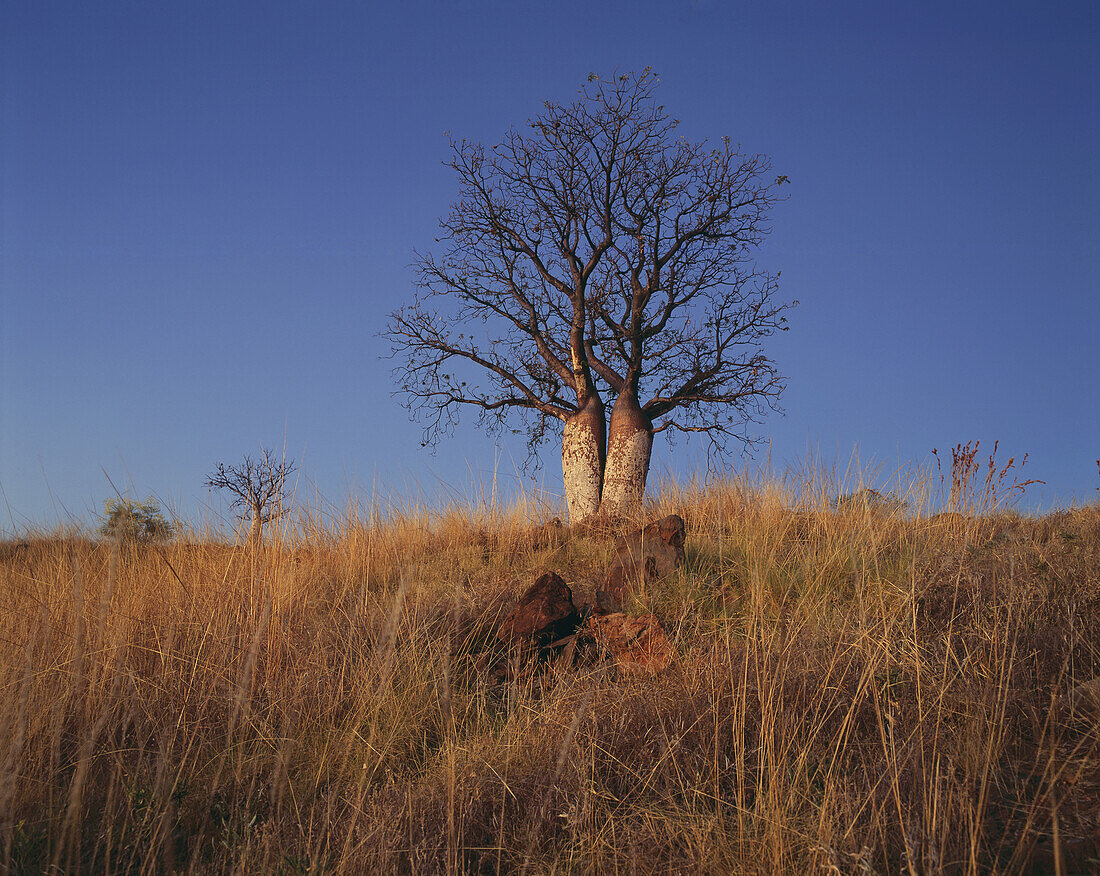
(629, 446)
(582, 458)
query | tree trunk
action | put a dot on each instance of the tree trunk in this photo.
(255, 530)
(629, 445)
(583, 449)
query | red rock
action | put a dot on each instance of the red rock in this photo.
(544, 613)
(671, 531)
(638, 645)
(644, 556)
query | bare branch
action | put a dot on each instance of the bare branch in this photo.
(258, 485)
(591, 252)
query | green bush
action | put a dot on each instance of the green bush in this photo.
(128, 520)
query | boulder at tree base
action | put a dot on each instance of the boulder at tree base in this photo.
(652, 552)
(544, 613)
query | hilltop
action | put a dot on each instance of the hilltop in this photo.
(856, 687)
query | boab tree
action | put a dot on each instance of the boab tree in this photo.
(594, 254)
(258, 487)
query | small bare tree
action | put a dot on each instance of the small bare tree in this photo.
(258, 487)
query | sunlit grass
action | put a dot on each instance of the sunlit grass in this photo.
(859, 688)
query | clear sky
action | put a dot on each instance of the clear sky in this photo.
(207, 209)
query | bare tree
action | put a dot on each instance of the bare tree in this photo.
(590, 255)
(258, 487)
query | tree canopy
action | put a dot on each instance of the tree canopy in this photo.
(128, 520)
(258, 487)
(591, 254)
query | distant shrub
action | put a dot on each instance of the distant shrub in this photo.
(872, 500)
(128, 520)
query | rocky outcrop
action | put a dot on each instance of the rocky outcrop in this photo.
(551, 626)
(645, 556)
(543, 614)
(637, 645)
(552, 533)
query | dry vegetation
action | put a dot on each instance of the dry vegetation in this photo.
(859, 690)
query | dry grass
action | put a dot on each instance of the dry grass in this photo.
(859, 691)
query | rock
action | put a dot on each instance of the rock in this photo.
(644, 556)
(551, 534)
(638, 645)
(584, 602)
(595, 601)
(1083, 701)
(566, 654)
(495, 669)
(543, 614)
(606, 603)
(671, 531)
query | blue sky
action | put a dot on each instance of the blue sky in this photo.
(207, 210)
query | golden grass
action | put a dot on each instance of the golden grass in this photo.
(858, 691)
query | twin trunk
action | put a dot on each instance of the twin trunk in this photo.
(582, 458)
(256, 529)
(606, 474)
(629, 445)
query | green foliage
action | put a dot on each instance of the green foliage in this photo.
(28, 849)
(128, 520)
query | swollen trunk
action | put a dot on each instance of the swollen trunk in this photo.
(629, 444)
(255, 530)
(582, 458)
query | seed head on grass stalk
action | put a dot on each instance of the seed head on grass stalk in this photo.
(973, 495)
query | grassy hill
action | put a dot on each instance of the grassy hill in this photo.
(858, 689)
